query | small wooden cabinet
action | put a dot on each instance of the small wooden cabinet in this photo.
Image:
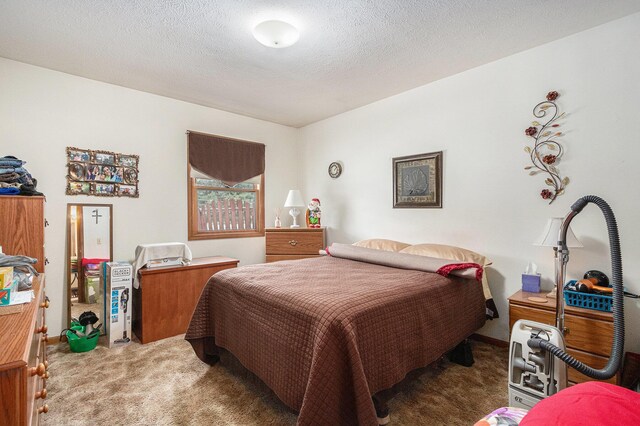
(22, 227)
(23, 361)
(588, 335)
(167, 296)
(293, 243)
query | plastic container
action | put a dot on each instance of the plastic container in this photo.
(81, 344)
(598, 302)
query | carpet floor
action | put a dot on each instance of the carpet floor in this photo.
(164, 383)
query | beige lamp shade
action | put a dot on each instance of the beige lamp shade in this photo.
(549, 237)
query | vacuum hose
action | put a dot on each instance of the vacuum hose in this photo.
(618, 292)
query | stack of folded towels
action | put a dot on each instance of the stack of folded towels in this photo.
(15, 179)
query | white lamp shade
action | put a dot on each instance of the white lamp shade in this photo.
(276, 34)
(294, 199)
(549, 237)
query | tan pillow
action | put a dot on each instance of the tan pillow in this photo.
(447, 252)
(381, 244)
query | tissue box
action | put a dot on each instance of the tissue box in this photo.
(531, 283)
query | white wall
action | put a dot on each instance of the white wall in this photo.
(42, 112)
(491, 205)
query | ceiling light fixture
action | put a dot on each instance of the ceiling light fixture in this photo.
(276, 34)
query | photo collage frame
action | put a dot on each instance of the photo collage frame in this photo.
(101, 173)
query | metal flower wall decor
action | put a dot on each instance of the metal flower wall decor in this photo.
(546, 151)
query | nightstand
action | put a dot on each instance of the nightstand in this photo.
(293, 243)
(588, 333)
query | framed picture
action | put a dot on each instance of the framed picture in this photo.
(74, 154)
(417, 181)
(75, 188)
(101, 173)
(129, 190)
(104, 157)
(130, 176)
(128, 160)
(104, 189)
(77, 171)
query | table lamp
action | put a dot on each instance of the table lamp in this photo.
(549, 238)
(294, 200)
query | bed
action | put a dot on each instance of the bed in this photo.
(328, 333)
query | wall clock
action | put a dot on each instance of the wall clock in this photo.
(335, 170)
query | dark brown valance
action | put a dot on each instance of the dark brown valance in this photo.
(230, 160)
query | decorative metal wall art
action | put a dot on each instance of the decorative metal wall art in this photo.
(547, 151)
(101, 173)
(417, 181)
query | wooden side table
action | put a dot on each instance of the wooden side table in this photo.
(293, 243)
(588, 333)
(167, 296)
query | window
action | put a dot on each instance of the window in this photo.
(218, 206)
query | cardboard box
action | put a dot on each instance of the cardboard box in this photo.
(118, 303)
(7, 293)
(6, 276)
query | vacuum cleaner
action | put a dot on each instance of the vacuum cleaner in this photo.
(537, 357)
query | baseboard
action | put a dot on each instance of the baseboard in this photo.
(490, 340)
(53, 340)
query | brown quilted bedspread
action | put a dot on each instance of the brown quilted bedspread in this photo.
(325, 334)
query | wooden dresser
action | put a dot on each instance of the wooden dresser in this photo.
(167, 296)
(23, 361)
(22, 227)
(293, 243)
(588, 335)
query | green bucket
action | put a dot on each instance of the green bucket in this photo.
(81, 344)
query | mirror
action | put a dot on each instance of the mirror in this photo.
(89, 243)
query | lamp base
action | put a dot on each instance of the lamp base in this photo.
(294, 212)
(552, 293)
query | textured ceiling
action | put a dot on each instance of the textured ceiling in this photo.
(350, 53)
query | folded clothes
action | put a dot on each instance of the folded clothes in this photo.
(9, 177)
(29, 190)
(11, 161)
(10, 185)
(12, 169)
(9, 191)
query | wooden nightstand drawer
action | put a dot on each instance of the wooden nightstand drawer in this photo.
(300, 242)
(517, 312)
(591, 360)
(589, 335)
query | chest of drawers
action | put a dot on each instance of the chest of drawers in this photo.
(23, 361)
(293, 243)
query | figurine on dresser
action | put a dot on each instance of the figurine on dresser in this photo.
(313, 213)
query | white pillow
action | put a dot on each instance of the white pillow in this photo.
(382, 244)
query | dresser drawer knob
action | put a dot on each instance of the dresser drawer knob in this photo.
(42, 329)
(293, 243)
(46, 375)
(43, 409)
(41, 394)
(39, 370)
(46, 364)
(45, 304)
(45, 338)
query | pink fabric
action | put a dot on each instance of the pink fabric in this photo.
(447, 269)
(87, 261)
(589, 403)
